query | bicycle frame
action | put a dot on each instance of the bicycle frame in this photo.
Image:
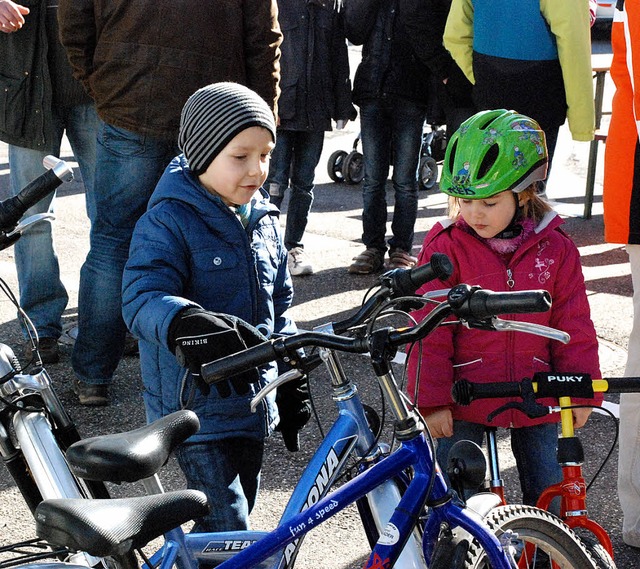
(311, 503)
(572, 489)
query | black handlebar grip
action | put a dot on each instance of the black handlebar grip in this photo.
(224, 368)
(474, 302)
(12, 209)
(623, 384)
(464, 392)
(438, 267)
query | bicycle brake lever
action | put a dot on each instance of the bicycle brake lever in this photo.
(486, 324)
(306, 364)
(273, 385)
(28, 222)
(529, 406)
(530, 328)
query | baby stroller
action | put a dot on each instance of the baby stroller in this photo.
(434, 144)
(345, 166)
(348, 167)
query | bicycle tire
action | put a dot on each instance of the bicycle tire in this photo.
(542, 531)
(600, 555)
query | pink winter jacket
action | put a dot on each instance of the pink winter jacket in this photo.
(548, 260)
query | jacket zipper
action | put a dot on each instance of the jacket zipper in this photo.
(510, 281)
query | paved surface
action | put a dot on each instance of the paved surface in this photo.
(331, 241)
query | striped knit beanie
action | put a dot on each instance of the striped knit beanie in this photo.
(215, 114)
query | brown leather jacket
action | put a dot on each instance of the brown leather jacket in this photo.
(141, 60)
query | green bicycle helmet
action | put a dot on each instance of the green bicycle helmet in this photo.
(491, 152)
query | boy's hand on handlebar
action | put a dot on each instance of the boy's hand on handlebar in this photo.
(580, 417)
(198, 336)
(440, 422)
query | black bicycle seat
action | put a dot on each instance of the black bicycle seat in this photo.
(132, 455)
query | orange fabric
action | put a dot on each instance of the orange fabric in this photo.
(624, 129)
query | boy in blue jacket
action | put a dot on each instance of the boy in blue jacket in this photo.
(207, 276)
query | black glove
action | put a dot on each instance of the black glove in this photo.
(294, 408)
(198, 336)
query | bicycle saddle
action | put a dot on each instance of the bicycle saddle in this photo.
(115, 526)
(132, 455)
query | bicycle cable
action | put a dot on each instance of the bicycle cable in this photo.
(615, 438)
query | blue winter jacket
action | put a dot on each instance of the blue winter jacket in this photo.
(190, 250)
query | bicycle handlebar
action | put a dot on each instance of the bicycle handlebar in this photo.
(460, 299)
(485, 303)
(12, 209)
(544, 385)
(397, 283)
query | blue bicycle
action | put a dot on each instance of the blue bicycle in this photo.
(413, 519)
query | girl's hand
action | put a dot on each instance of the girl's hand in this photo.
(440, 422)
(580, 417)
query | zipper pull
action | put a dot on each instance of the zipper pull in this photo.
(510, 281)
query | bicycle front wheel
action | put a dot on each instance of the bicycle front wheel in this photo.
(535, 538)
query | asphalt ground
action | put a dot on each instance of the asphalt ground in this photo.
(332, 239)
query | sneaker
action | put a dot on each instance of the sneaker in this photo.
(94, 395)
(369, 261)
(399, 259)
(47, 348)
(298, 265)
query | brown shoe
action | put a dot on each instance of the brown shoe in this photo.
(94, 395)
(399, 259)
(367, 262)
(47, 348)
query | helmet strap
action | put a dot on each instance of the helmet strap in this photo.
(514, 229)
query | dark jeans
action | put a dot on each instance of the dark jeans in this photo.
(391, 131)
(43, 296)
(293, 164)
(228, 472)
(128, 166)
(534, 449)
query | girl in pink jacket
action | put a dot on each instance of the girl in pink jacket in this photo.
(503, 236)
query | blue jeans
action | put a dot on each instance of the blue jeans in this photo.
(534, 448)
(128, 166)
(42, 295)
(228, 472)
(294, 158)
(391, 131)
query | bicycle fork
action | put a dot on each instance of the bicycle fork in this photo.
(382, 501)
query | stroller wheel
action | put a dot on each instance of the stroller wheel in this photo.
(427, 173)
(353, 168)
(334, 165)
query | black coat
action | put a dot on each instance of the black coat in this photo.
(390, 65)
(35, 76)
(314, 67)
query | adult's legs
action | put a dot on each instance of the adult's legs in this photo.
(81, 124)
(375, 134)
(228, 472)
(408, 119)
(42, 294)
(128, 167)
(280, 166)
(306, 155)
(629, 447)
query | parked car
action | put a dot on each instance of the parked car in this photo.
(605, 10)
